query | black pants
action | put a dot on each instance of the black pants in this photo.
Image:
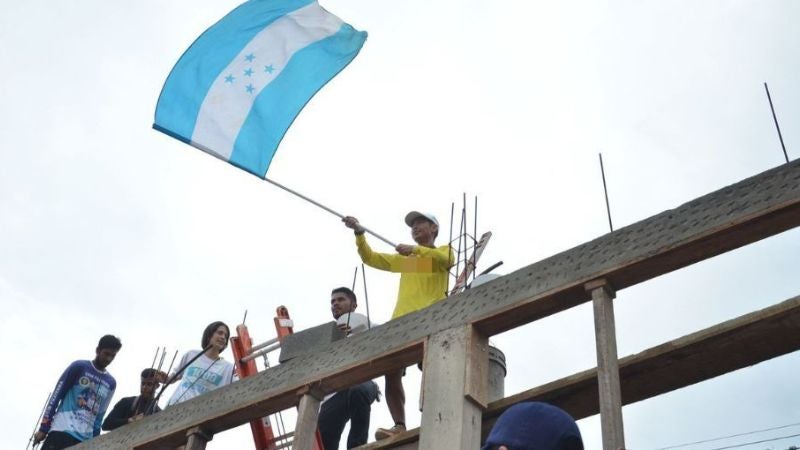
(56, 440)
(352, 404)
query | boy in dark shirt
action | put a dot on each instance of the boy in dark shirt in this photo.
(132, 409)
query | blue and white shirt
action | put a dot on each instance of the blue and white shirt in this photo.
(202, 375)
(79, 401)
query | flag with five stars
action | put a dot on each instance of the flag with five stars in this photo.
(239, 87)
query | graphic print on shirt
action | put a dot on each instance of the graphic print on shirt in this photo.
(201, 376)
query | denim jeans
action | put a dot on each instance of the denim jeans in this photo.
(351, 404)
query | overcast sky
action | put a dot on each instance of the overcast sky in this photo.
(107, 226)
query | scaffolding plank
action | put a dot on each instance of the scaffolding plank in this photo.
(755, 208)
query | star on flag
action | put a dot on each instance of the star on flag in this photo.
(247, 71)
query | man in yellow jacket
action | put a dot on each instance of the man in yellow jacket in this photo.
(424, 270)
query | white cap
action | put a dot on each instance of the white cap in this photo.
(414, 215)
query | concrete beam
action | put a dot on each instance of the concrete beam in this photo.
(309, 341)
(745, 212)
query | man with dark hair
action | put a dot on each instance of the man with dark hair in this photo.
(132, 409)
(207, 372)
(80, 399)
(353, 403)
(343, 306)
(534, 426)
(423, 269)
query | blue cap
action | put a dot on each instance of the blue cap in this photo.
(535, 426)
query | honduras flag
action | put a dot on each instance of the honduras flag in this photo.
(239, 87)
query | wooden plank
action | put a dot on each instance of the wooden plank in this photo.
(748, 211)
(197, 438)
(700, 356)
(305, 431)
(476, 377)
(449, 418)
(608, 385)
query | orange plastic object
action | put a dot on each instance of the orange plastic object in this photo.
(283, 323)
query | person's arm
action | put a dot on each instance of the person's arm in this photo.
(184, 360)
(65, 382)
(118, 415)
(382, 261)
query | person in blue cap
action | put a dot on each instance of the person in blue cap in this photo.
(534, 426)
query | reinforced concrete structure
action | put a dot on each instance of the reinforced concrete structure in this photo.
(451, 336)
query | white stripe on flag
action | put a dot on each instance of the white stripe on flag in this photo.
(228, 102)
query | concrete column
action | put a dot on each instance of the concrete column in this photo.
(455, 389)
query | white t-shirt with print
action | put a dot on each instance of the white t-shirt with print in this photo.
(203, 375)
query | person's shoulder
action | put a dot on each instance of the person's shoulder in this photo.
(126, 400)
(81, 364)
(75, 368)
(190, 354)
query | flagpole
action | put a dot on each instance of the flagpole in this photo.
(341, 216)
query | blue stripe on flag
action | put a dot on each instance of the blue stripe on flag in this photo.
(281, 101)
(201, 64)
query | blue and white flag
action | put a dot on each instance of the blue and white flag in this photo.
(239, 87)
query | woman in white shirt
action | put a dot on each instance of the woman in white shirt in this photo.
(208, 371)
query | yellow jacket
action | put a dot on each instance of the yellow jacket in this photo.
(423, 274)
